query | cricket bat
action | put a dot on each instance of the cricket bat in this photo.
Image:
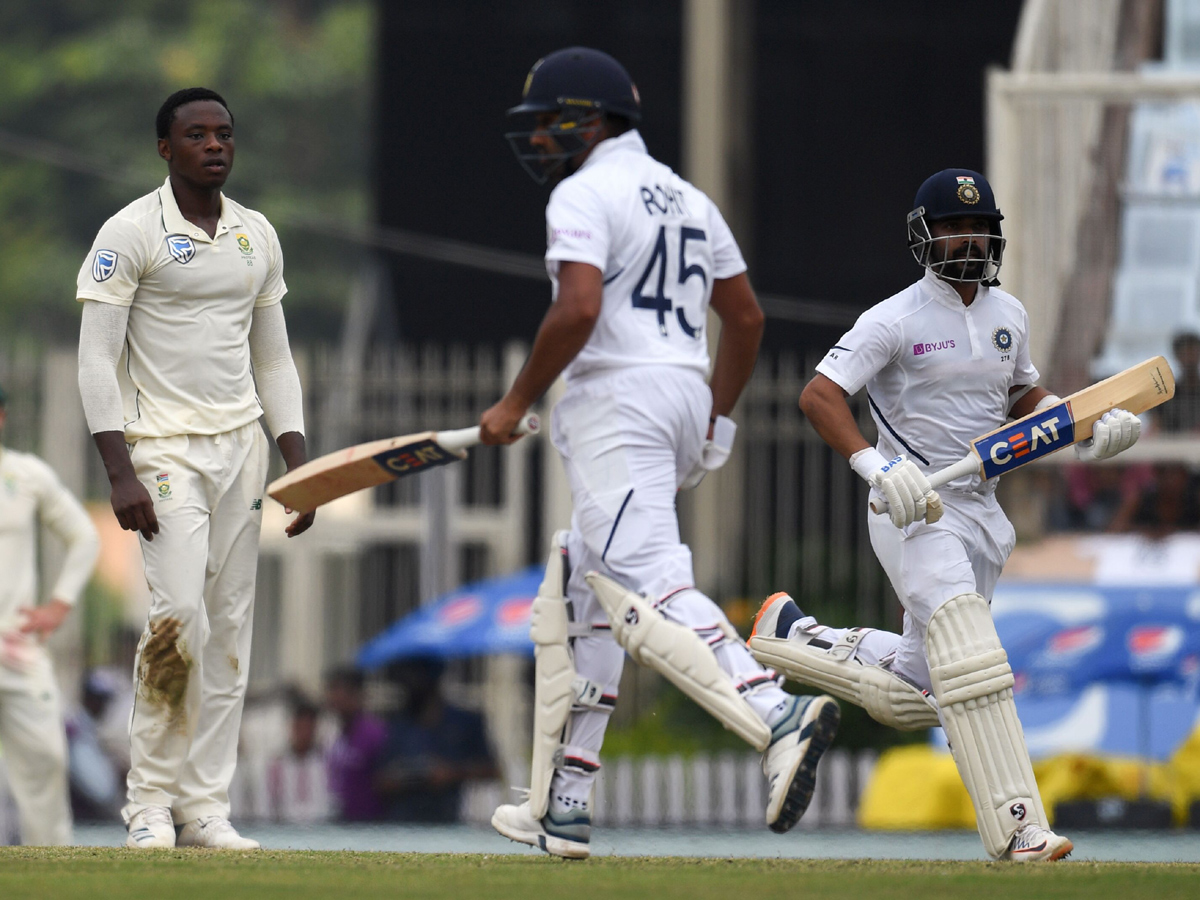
(376, 462)
(1048, 430)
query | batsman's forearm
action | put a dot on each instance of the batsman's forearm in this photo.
(563, 333)
(830, 415)
(115, 455)
(737, 351)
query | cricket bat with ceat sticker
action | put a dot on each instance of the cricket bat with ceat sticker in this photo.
(1067, 422)
(376, 462)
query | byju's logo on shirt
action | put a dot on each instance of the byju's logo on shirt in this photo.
(932, 347)
(104, 265)
(181, 247)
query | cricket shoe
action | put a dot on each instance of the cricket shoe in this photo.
(798, 741)
(775, 619)
(151, 829)
(566, 835)
(1033, 843)
(215, 833)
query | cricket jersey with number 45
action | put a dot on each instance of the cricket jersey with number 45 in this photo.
(659, 242)
(937, 372)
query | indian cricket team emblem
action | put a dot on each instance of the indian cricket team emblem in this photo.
(181, 247)
(163, 483)
(244, 243)
(1002, 339)
(104, 265)
(968, 193)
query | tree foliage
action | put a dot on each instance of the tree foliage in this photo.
(89, 77)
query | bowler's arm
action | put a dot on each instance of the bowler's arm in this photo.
(563, 333)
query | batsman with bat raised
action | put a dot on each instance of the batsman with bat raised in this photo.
(636, 255)
(943, 361)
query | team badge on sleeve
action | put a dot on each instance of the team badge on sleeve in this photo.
(1002, 340)
(104, 265)
(181, 247)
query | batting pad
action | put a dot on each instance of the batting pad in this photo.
(679, 655)
(889, 699)
(553, 679)
(973, 683)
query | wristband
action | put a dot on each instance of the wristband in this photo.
(866, 462)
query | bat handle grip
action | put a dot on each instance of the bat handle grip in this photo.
(461, 438)
(965, 466)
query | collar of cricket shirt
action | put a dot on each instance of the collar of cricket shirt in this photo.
(175, 223)
(945, 294)
(630, 140)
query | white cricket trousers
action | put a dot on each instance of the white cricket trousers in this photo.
(964, 552)
(627, 440)
(35, 750)
(193, 659)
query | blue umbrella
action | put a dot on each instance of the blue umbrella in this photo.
(487, 617)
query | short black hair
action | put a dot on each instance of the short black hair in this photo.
(166, 112)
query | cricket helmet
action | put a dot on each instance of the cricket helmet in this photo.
(581, 84)
(957, 194)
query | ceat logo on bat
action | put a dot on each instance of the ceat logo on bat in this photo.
(1153, 645)
(1073, 642)
(1026, 440)
(422, 455)
(514, 613)
(460, 611)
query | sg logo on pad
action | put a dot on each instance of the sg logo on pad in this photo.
(1026, 441)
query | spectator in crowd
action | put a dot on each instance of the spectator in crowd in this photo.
(1182, 413)
(95, 779)
(355, 756)
(433, 749)
(297, 782)
(1169, 504)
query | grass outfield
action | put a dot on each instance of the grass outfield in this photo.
(97, 874)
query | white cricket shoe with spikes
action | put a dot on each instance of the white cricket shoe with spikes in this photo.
(215, 833)
(1033, 843)
(565, 836)
(790, 762)
(151, 829)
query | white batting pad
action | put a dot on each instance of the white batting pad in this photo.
(973, 683)
(679, 655)
(888, 698)
(553, 679)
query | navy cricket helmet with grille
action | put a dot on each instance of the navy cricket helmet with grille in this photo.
(957, 194)
(583, 86)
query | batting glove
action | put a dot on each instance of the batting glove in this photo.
(909, 495)
(1115, 431)
(715, 453)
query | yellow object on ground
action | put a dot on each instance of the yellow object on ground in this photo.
(917, 787)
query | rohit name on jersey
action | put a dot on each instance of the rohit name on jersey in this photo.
(1025, 441)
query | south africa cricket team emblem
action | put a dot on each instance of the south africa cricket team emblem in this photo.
(162, 482)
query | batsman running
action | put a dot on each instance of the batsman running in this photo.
(636, 257)
(942, 361)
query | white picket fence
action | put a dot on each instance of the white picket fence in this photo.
(721, 790)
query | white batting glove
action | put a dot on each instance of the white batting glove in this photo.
(1116, 431)
(715, 453)
(909, 495)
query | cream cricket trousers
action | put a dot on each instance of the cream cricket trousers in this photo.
(627, 440)
(193, 659)
(35, 750)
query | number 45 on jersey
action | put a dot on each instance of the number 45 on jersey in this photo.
(659, 301)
